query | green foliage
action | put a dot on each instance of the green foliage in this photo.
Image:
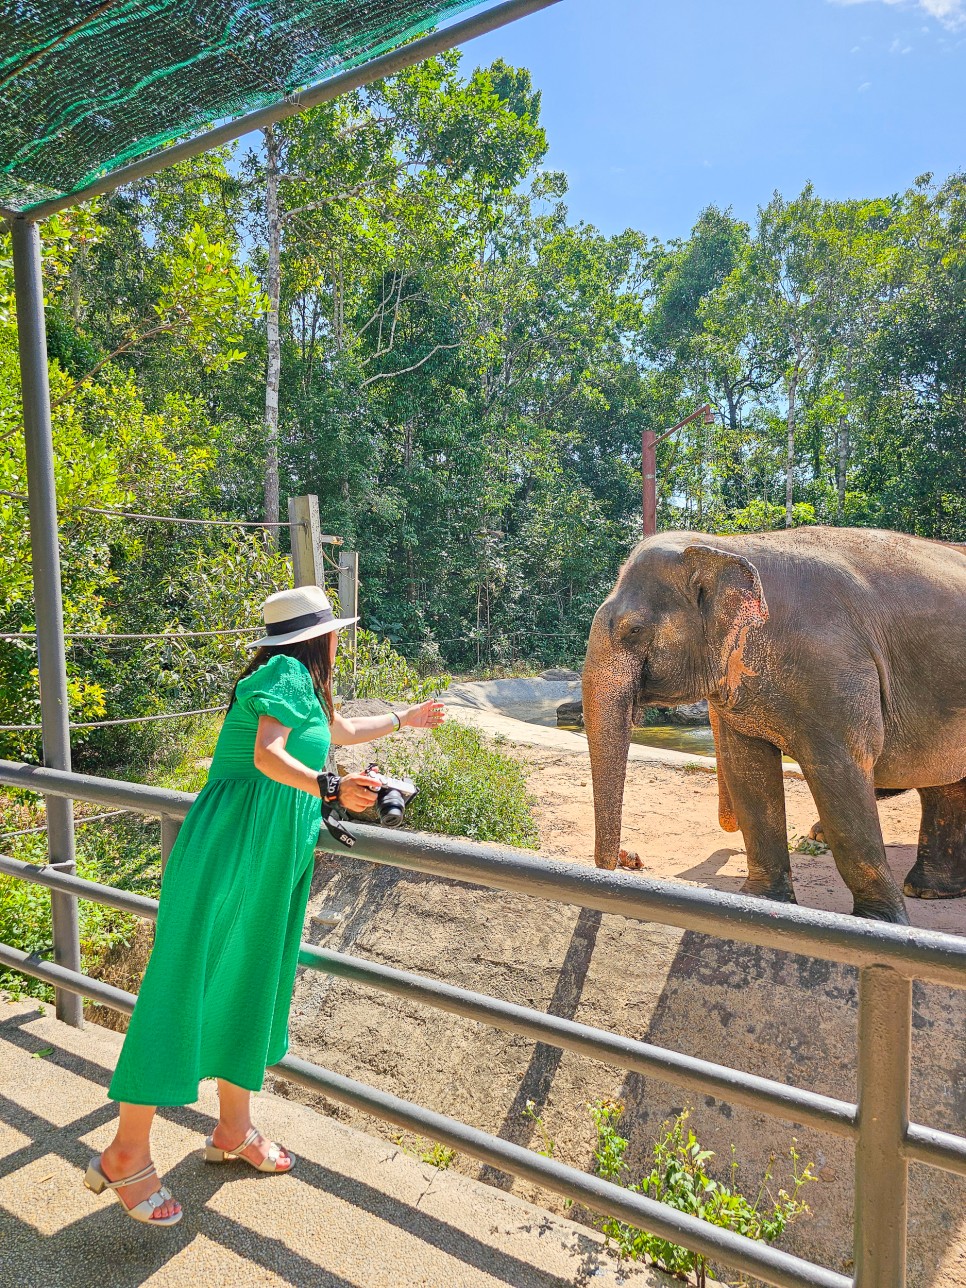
(764, 516)
(681, 1179)
(381, 672)
(466, 787)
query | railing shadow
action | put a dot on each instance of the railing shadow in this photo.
(70, 1255)
(537, 1080)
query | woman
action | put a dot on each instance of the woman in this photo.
(216, 994)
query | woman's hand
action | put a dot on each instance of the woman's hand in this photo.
(428, 715)
(358, 791)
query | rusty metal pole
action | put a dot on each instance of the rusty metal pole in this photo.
(649, 480)
(649, 442)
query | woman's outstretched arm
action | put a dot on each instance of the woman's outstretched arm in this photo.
(346, 732)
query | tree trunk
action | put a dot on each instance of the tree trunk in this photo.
(790, 455)
(842, 470)
(273, 374)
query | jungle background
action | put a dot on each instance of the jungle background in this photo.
(387, 303)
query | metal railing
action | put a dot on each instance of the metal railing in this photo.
(888, 958)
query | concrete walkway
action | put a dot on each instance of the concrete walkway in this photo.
(357, 1212)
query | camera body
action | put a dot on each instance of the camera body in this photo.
(393, 796)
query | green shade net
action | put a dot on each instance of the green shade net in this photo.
(88, 85)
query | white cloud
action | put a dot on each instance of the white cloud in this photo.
(864, 86)
(951, 13)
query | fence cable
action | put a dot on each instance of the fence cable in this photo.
(166, 518)
(162, 635)
(102, 724)
(85, 818)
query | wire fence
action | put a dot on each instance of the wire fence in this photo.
(78, 821)
(134, 636)
(149, 635)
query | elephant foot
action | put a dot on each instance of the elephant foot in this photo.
(780, 891)
(918, 885)
(815, 832)
(628, 859)
(896, 916)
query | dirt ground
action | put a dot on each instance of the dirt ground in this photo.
(671, 821)
(768, 1012)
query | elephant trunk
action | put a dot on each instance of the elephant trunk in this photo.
(610, 681)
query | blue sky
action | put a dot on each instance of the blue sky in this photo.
(656, 108)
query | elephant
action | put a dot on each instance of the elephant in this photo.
(841, 647)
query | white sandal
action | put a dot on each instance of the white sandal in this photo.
(268, 1164)
(96, 1181)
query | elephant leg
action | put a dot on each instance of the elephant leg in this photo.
(940, 868)
(756, 787)
(844, 792)
(815, 832)
(727, 818)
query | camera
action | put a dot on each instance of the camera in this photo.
(392, 798)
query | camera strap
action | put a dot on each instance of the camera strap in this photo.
(332, 818)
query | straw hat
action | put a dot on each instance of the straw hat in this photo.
(299, 614)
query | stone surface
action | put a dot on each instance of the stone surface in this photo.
(357, 1212)
(559, 673)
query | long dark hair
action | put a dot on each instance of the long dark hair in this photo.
(314, 656)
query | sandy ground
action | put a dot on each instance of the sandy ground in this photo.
(671, 821)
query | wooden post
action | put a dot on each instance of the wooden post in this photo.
(349, 597)
(308, 564)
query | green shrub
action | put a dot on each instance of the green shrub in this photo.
(680, 1179)
(467, 787)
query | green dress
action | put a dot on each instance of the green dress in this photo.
(216, 994)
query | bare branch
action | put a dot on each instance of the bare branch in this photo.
(387, 375)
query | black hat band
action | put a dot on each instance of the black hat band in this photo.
(300, 623)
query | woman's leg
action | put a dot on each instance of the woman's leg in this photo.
(129, 1152)
(235, 1122)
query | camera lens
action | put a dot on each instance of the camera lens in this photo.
(391, 806)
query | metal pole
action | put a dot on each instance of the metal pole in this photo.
(170, 827)
(45, 558)
(649, 480)
(881, 1170)
(407, 55)
(649, 442)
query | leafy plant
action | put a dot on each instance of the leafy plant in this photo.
(466, 787)
(549, 1145)
(439, 1155)
(680, 1178)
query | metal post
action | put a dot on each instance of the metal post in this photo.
(45, 558)
(881, 1170)
(649, 480)
(170, 827)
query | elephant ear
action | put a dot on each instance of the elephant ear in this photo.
(727, 589)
